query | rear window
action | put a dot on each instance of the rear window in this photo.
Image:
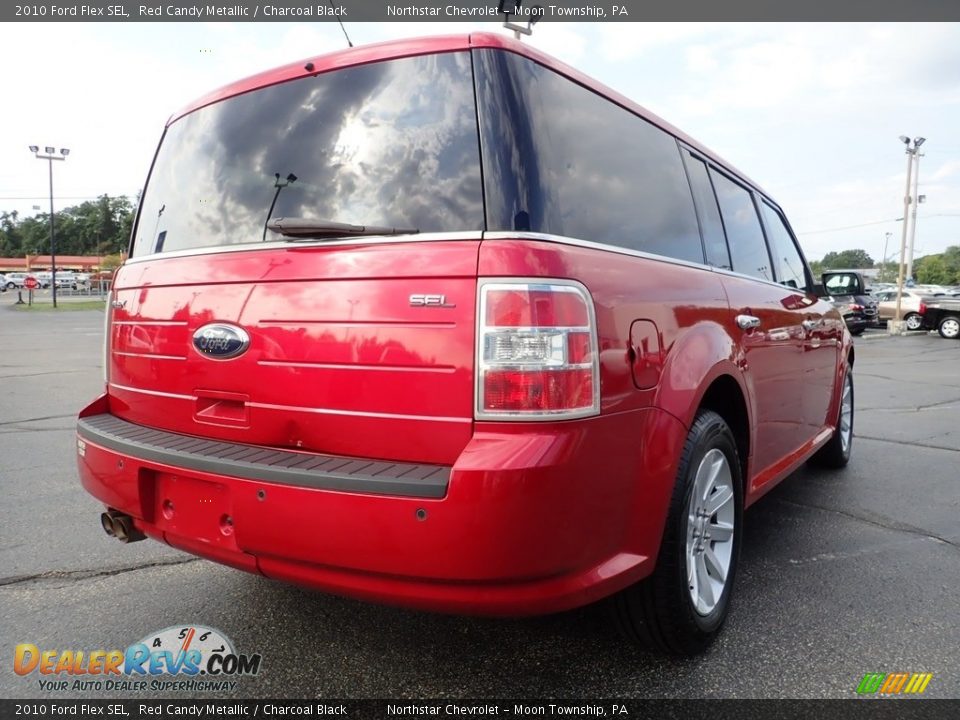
(391, 143)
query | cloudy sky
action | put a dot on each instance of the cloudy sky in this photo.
(811, 112)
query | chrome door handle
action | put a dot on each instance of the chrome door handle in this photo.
(747, 322)
(812, 324)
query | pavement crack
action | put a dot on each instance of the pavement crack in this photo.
(907, 381)
(896, 527)
(945, 404)
(75, 575)
(27, 375)
(909, 443)
(20, 429)
(37, 419)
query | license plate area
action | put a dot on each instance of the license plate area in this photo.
(193, 508)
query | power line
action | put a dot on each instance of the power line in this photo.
(875, 222)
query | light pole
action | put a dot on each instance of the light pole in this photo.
(49, 156)
(916, 201)
(911, 150)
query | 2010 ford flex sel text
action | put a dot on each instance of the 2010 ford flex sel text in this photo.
(445, 323)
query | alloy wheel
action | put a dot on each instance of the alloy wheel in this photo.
(711, 514)
(846, 414)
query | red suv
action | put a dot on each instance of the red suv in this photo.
(445, 323)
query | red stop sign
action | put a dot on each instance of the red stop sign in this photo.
(31, 283)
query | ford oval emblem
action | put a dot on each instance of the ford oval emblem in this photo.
(220, 341)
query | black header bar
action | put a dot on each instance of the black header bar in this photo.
(481, 10)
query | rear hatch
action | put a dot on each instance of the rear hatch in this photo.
(357, 346)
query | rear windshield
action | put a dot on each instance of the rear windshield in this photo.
(391, 143)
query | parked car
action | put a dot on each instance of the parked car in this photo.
(3, 283)
(912, 307)
(505, 377)
(943, 315)
(843, 293)
(67, 280)
(853, 315)
(16, 279)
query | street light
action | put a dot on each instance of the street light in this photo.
(50, 156)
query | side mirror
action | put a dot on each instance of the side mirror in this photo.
(843, 283)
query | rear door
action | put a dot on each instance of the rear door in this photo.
(359, 346)
(341, 360)
(769, 319)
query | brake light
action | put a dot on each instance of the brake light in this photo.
(537, 352)
(923, 309)
(856, 308)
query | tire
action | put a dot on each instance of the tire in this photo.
(836, 453)
(914, 321)
(949, 327)
(11, 286)
(677, 609)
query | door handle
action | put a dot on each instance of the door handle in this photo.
(748, 322)
(812, 324)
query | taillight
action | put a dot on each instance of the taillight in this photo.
(537, 352)
(856, 308)
(923, 309)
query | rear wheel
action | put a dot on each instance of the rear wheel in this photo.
(914, 321)
(681, 608)
(836, 453)
(949, 327)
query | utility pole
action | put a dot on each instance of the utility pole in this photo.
(916, 201)
(883, 258)
(897, 319)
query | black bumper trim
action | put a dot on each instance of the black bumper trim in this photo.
(286, 467)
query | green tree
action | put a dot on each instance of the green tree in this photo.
(939, 269)
(847, 259)
(97, 227)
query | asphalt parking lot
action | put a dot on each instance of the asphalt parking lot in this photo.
(842, 573)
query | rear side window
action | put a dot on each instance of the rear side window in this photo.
(786, 258)
(748, 249)
(560, 159)
(711, 226)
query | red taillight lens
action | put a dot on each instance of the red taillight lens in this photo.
(923, 308)
(538, 390)
(855, 307)
(536, 351)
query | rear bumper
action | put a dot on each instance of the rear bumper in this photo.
(530, 519)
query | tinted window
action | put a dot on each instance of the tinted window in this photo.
(390, 143)
(711, 226)
(561, 159)
(787, 262)
(748, 249)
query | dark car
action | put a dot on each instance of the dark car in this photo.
(838, 287)
(854, 315)
(943, 315)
